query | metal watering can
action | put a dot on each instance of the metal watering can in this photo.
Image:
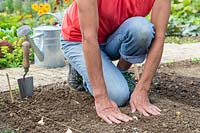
(45, 43)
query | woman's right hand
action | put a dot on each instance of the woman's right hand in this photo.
(109, 111)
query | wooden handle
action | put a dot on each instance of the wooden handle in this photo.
(9, 86)
(137, 76)
(25, 47)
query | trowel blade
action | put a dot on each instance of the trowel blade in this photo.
(25, 87)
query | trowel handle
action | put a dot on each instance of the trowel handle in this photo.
(26, 50)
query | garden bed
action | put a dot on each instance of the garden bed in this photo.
(175, 89)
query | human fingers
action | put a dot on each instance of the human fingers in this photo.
(156, 108)
(133, 108)
(151, 110)
(141, 110)
(105, 118)
(128, 117)
(113, 119)
(122, 117)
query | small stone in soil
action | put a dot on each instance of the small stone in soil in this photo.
(134, 117)
(164, 125)
(178, 113)
(11, 114)
(69, 131)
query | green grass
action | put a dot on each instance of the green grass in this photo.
(170, 62)
(16, 90)
(2, 104)
(6, 131)
(196, 60)
(182, 40)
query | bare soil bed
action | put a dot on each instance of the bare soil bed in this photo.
(175, 89)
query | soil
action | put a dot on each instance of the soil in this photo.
(175, 89)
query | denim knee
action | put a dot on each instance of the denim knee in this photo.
(140, 29)
(138, 35)
(143, 31)
(120, 97)
(117, 92)
(123, 98)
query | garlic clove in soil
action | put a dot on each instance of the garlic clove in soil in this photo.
(69, 131)
(41, 122)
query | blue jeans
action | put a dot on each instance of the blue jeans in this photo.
(131, 41)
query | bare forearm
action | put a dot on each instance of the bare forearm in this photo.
(160, 16)
(152, 62)
(94, 68)
(88, 17)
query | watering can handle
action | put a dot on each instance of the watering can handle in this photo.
(44, 15)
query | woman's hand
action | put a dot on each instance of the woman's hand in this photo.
(139, 101)
(139, 98)
(109, 111)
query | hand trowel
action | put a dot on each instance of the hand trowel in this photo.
(26, 83)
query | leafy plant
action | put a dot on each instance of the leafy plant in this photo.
(10, 56)
(18, 6)
(196, 60)
(16, 90)
(6, 131)
(184, 19)
(8, 6)
(170, 62)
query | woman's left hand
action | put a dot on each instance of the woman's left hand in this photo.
(139, 101)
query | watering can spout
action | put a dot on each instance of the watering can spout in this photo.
(25, 31)
(37, 51)
(45, 43)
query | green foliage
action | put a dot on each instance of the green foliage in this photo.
(182, 40)
(52, 5)
(18, 6)
(16, 90)
(15, 6)
(8, 6)
(11, 59)
(170, 62)
(69, 2)
(6, 131)
(8, 31)
(184, 19)
(27, 8)
(9, 21)
(196, 60)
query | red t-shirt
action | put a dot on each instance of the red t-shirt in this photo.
(112, 13)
